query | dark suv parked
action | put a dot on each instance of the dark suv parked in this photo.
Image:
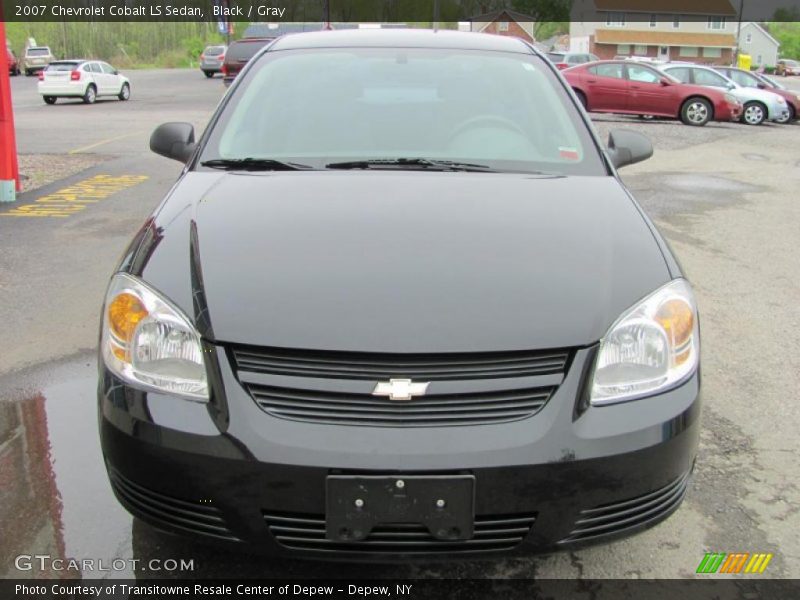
(237, 55)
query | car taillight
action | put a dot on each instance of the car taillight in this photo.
(41, 75)
(202, 57)
(562, 65)
(75, 76)
(225, 70)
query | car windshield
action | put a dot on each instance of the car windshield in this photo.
(502, 111)
(214, 50)
(38, 51)
(62, 66)
(245, 50)
(791, 63)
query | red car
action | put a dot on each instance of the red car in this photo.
(629, 87)
(13, 63)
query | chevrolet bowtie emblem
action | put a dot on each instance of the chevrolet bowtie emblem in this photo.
(400, 389)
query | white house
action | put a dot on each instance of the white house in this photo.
(759, 44)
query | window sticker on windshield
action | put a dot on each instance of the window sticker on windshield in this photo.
(568, 153)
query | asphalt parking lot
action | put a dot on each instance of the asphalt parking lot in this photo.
(724, 195)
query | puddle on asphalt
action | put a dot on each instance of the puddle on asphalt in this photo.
(55, 499)
(663, 195)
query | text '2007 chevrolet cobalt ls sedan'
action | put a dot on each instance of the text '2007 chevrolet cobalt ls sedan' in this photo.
(399, 304)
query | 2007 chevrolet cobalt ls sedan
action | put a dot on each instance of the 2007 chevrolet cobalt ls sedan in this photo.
(399, 304)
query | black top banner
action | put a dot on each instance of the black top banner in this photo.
(398, 11)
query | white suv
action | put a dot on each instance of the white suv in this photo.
(86, 79)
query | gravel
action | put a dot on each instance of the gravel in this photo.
(37, 170)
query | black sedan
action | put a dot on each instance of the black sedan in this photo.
(399, 304)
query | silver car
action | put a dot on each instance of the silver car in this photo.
(759, 105)
(37, 58)
(211, 60)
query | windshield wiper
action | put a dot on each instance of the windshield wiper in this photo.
(410, 163)
(253, 164)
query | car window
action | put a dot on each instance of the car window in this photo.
(503, 110)
(244, 51)
(575, 59)
(87, 68)
(593, 57)
(642, 74)
(704, 77)
(37, 51)
(62, 66)
(607, 70)
(107, 68)
(682, 74)
(96, 68)
(555, 57)
(214, 50)
(744, 79)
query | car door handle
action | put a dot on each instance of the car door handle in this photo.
(636, 87)
(592, 80)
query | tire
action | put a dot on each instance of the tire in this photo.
(754, 113)
(208, 74)
(27, 72)
(90, 95)
(582, 98)
(125, 92)
(50, 99)
(696, 112)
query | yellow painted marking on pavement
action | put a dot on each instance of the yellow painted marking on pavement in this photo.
(102, 142)
(75, 198)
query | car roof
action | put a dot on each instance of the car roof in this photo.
(401, 38)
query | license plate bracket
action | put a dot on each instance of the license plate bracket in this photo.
(445, 504)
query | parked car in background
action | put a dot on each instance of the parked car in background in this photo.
(754, 80)
(758, 105)
(13, 63)
(787, 66)
(631, 87)
(564, 60)
(211, 60)
(85, 79)
(36, 59)
(394, 371)
(237, 55)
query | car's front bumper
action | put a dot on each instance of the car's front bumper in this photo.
(560, 478)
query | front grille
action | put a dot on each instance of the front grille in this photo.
(170, 512)
(609, 519)
(428, 367)
(493, 533)
(431, 410)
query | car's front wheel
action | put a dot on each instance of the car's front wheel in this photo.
(696, 112)
(754, 113)
(788, 118)
(125, 92)
(50, 99)
(90, 95)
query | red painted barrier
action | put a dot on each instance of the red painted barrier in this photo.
(9, 168)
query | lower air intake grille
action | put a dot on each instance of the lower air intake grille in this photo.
(609, 519)
(170, 512)
(307, 532)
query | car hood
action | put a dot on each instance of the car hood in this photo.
(746, 94)
(402, 262)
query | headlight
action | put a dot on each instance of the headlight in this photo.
(731, 99)
(148, 342)
(653, 346)
(781, 100)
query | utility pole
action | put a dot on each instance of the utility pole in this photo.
(738, 35)
(435, 15)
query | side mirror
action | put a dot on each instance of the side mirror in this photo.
(664, 81)
(627, 147)
(762, 86)
(173, 140)
(116, 72)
